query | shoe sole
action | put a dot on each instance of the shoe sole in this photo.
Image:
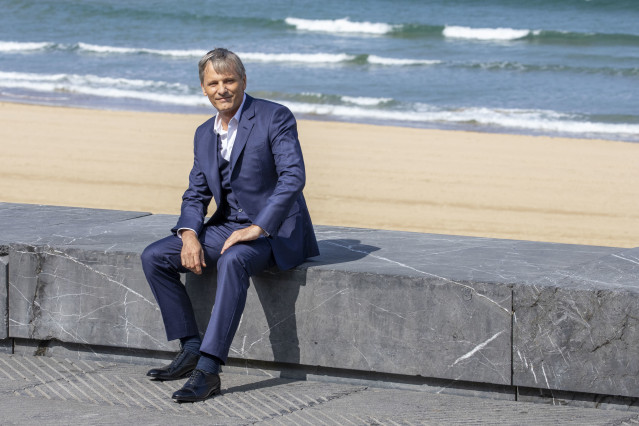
(168, 379)
(211, 395)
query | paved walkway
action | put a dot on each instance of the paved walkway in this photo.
(43, 390)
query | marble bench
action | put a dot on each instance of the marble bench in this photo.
(512, 316)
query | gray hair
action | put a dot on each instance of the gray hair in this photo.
(223, 61)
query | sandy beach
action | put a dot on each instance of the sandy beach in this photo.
(447, 182)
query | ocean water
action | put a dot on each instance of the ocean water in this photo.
(558, 67)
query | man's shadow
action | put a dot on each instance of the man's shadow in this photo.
(275, 339)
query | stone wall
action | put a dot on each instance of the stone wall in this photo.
(459, 309)
(4, 302)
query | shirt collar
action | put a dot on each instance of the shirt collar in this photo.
(217, 127)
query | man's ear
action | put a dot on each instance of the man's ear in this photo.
(203, 91)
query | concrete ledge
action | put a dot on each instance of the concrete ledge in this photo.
(331, 316)
(576, 329)
(4, 302)
(499, 312)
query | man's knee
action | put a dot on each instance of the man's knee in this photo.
(155, 253)
(244, 259)
(149, 255)
(231, 259)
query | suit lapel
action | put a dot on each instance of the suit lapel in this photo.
(243, 130)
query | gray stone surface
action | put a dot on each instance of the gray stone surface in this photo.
(33, 223)
(90, 289)
(458, 258)
(78, 351)
(394, 302)
(432, 327)
(43, 390)
(577, 399)
(576, 329)
(6, 346)
(4, 303)
(374, 301)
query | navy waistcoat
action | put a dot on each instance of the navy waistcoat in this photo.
(232, 210)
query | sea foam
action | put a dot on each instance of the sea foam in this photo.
(15, 46)
(330, 106)
(379, 60)
(343, 25)
(515, 119)
(190, 53)
(88, 80)
(309, 58)
(502, 34)
(300, 58)
(149, 90)
(364, 101)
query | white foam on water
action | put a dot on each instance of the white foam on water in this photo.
(343, 25)
(303, 58)
(502, 34)
(309, 58)
(379, 60)
(536, 120)
(153, 91)
(364, 101)
(90, 80)
(185, 100)
(95, 48)
(15, 46)
(353, 107)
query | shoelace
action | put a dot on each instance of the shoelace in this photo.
(178, 358)
(193, 377)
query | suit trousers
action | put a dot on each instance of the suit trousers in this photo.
(162, 266)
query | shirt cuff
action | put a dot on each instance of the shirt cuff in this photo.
(264, 233)
(179, 231)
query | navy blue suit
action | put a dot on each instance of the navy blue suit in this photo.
(265, 177)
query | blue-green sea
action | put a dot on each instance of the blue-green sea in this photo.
(558, 67)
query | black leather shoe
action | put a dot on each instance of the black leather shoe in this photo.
(183, 364)
(200, 386)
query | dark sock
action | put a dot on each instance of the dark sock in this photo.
(208, 363)
(191, 344)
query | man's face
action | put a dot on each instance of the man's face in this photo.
(225, 91)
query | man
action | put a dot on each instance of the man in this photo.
(248, 159)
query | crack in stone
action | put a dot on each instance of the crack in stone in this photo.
(370, 367)
(477, 348)
(244, 353)
(128, 324)
(57, 253)
(618, 336)
(36, 311)
(36, 306)
(625, 258)
(508, 311)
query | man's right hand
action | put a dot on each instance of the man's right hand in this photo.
(192, 255)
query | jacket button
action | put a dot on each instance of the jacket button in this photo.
(240, 210)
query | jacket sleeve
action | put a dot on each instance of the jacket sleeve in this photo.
(289, 166)
(196, 198)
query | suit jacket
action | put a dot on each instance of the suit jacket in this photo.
(267, 177)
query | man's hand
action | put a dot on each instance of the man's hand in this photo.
(192, 255)
(251, 233)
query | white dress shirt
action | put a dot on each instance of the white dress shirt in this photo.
(227, 137)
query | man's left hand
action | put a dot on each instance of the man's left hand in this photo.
(251, 233)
